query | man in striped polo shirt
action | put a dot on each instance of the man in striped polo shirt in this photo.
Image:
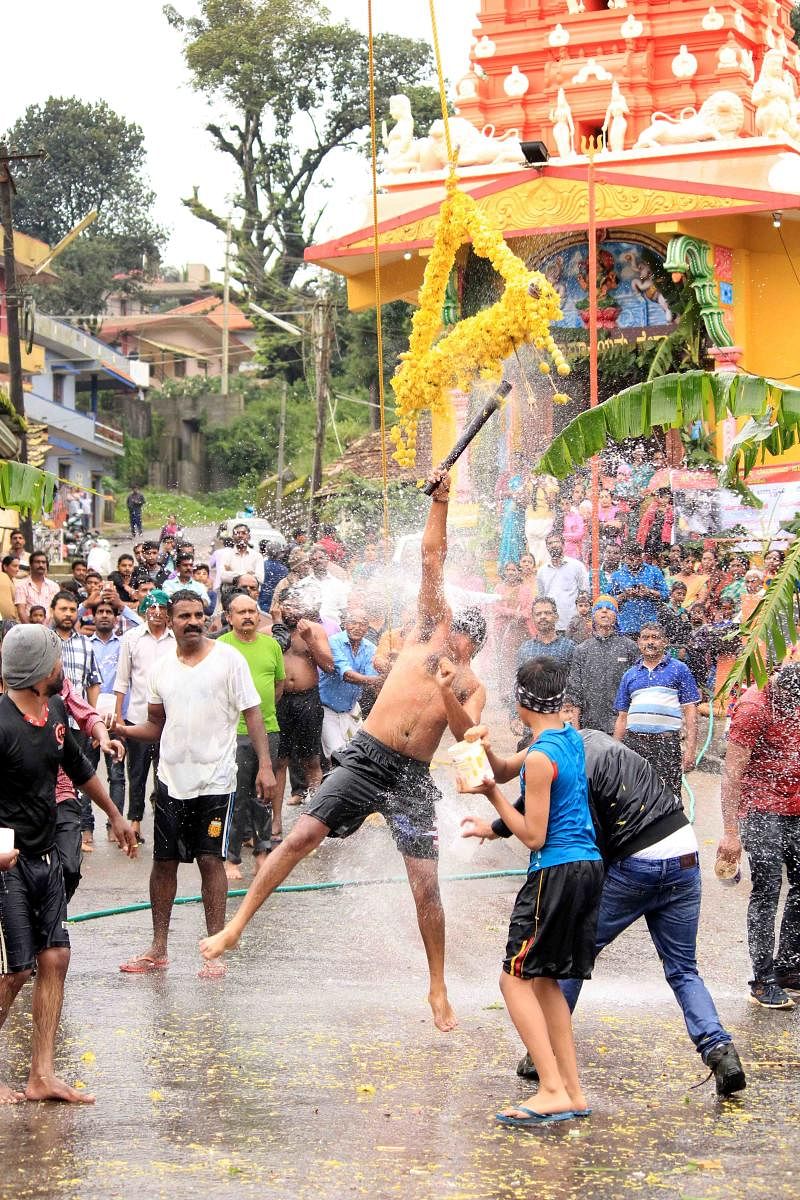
(656, 699)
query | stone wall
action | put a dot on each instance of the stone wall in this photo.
(182, 458)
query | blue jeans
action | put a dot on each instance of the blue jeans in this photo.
(668, 897)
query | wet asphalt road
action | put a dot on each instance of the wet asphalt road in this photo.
(313, 1069)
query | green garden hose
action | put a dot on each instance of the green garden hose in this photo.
(700, 758)
(330, 885)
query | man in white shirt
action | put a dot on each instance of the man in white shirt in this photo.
(195, 698)
(238, 559)
(139, 651)
(334, 592)
(561, 580)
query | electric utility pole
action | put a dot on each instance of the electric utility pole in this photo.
(281, 455)
(322, 336)
(226, 301)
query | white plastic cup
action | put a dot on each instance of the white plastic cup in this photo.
(728, 873)
(471, 764)
(6, 841)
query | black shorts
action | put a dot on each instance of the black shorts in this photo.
(300, 719)
(185, 829)
(371, 777)
(553, 927)
(33, 911)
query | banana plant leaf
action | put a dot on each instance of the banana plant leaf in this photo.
(672, 401)
(772, 625)
(26, 488)
(749, 396)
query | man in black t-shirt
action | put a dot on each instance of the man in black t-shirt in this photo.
(35, 740)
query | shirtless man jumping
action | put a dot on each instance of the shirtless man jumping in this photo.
(385, 768)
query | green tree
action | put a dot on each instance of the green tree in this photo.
(298, 86)
(356, 365)
(94, 158)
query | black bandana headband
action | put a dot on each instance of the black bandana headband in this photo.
(538, 704)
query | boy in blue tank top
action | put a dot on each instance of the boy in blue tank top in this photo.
(553, 925)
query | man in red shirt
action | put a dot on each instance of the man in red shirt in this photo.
(761, 799)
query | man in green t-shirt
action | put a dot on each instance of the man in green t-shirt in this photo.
(251, 817)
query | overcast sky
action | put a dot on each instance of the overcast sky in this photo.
(123, 52)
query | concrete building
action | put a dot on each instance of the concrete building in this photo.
(159, 295)
(184, 342)
(82, 447)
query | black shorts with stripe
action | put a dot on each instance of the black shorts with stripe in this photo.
(33, 911)
(553, 927)
(184, 830)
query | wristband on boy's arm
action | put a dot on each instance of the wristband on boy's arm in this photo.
(499, 827)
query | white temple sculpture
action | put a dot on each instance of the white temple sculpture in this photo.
(774, 99)
(563, 126)
(398, 142)
(720, 118)
(516, 84)
(615, 124)
(407, 155)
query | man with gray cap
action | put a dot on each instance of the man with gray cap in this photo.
(35, 740)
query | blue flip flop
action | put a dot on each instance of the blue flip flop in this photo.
(582, 1112)
(533, 1119)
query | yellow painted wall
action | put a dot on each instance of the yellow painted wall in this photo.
(32, 362)
(766, 295)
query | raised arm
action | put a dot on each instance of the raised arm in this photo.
(460, 717)
(432, 608)
(316, 640)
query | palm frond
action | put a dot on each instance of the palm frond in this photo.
(771, 628)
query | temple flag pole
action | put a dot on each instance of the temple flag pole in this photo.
(590, 146)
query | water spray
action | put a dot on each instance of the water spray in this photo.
(476, 424)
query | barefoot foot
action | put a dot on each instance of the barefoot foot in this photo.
(443, 1016)
(52, 1088)
(233, 871)
(9, 1096)
(218, 943)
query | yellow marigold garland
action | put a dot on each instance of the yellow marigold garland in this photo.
(476, 346)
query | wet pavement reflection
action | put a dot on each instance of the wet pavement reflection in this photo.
(313, 1069)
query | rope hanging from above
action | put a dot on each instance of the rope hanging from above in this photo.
(477, 347)
(377, 270)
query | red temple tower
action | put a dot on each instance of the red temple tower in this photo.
(666, 56)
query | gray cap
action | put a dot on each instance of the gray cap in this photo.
(29, 654)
